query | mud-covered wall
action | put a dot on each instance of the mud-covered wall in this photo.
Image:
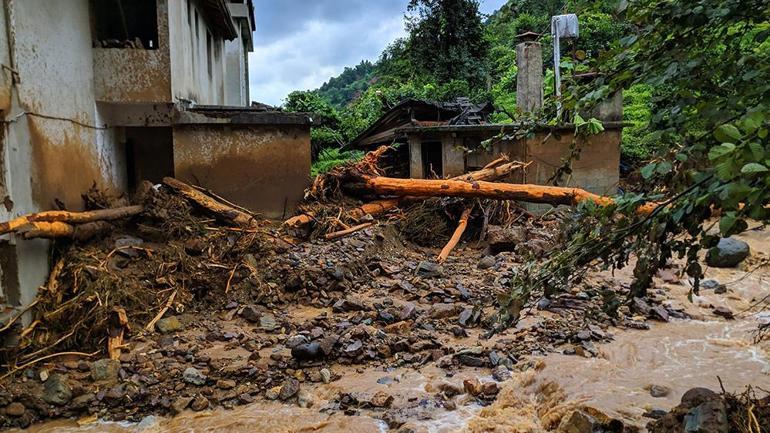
(188, 41)
(55, 144)
(135, 75)
(263, 168)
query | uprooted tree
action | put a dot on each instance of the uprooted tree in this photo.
(714, 57)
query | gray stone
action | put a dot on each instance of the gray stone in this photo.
(442, 311)
(708, 417)
(695, 396)
(728, 253)
(289, 389)
(268, 322)
(295, 340)
(501, 373)
(326, 375)
(501, 239)
(251, 313)
(105, 370)
(194, 376)
(428, 269)
(712, 285)
(168, 325)
(487, 262)
(307, 351)
(57, 390)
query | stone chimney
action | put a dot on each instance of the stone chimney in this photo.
(529, 81)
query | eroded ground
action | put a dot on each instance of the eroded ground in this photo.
(368, 334)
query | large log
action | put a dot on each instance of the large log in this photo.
(222, 211)
(553, 195)
(57, 230)
(69, 217)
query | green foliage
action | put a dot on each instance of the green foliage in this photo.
(640, 142)
(340, 90)
(713, 60)
(330, 158)
(446, 40)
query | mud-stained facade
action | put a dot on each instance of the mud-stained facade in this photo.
(264, 168)
(95, 93)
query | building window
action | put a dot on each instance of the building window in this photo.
(126, 23)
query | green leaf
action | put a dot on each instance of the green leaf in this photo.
(727, 222)
(663, 168)
(753, 167)
(727, 133)
(757, 151)
(717, 152)
(648, 170)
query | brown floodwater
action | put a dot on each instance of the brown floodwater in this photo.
(679, 355)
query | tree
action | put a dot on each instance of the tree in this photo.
(713, 57)
(446, 40)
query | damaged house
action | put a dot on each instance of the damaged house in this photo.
(441, 140)
(114, 92)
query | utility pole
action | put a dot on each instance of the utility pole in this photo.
(562, 27)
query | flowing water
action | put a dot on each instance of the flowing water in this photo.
(679, 355)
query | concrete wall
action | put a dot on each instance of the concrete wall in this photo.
(135, 75)
(236, 72)
(55, 145)
(190, 78)
(263, 168)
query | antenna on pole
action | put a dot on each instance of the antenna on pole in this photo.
(562, 27)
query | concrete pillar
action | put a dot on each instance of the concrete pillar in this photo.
(415, 158)
(453, 157)
(529, 79)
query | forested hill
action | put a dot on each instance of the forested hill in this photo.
(452, 50)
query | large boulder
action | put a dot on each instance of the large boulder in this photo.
(505, 239)
(728, 253)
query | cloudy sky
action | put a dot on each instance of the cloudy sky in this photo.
(300, 44)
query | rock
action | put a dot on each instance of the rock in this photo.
(326, 375)
(168, 325)
(725, 312)
(43, 375)
(57, 390)
(105, 370)
(194, 376)
(307, 351)
(407, 311)
(501, 239)
(655, 413)
(466, 317)
(472, 386)
(295, 340)
(578, 422)
(728, 253)
(501, 373)
(289, 389)
(199, 403)
(659, 391)
(487, 262)
(226, 384)
(180, 404)
(348, 304)
(489, 390)
(381, 399)
(304, 399)
(251, 313)
(428, 269)
(668, 276)
(641, 306)
(658, 312)
(708, 417)
(714, 285)
(695, 396)
(268, 322)
(354, 349)
(470, 360)
(15, 409)
(327, 344)
(543, 304)
(450, 390)
(272, 393)
(245, 398)
(442, 311)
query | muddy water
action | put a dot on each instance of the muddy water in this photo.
(679, 355)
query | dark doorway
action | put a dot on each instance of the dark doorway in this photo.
(150, 155)
(432, 162)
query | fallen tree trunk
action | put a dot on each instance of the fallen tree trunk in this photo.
(496, 169)
(57, 230)
(461, 225)
(222, 211)
(341, 233)
(69, 217)
(553, 195)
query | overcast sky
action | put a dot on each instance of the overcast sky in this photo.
(300, 44)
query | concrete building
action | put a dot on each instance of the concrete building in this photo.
(112, 92)
(445, 140)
